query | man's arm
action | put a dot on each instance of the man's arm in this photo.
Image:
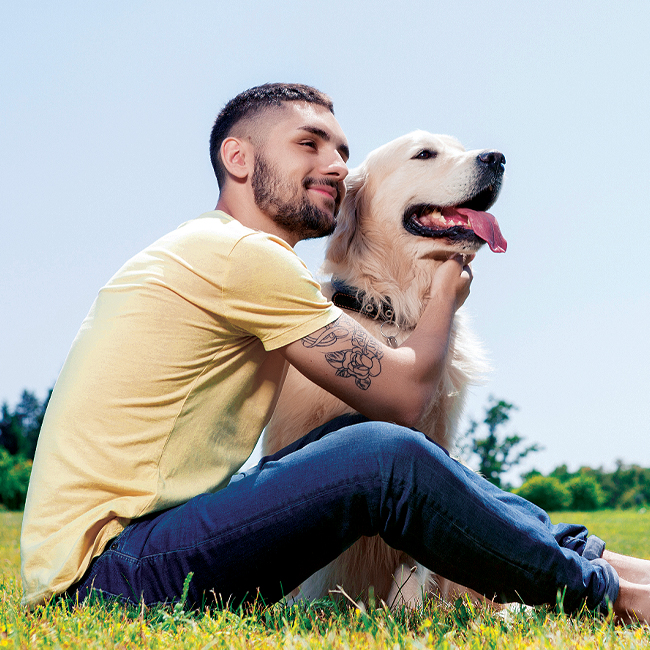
(383, 383)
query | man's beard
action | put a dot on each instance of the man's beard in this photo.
(296, 213)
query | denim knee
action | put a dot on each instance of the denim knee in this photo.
(401, 449)
(396, 449)
(394, 443)
(399, 485)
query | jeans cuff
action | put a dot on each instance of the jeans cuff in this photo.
(611, 585)
(594, 548)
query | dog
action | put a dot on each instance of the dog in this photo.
(411, 205)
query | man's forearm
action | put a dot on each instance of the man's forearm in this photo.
(383, 383)
(425, 355)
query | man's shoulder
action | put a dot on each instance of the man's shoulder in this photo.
(217, 226)
(212, 233)
(220, 246)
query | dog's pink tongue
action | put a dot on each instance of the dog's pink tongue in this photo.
(483, 224)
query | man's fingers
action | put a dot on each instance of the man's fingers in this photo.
(467, 272)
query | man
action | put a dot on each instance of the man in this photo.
(177, 368)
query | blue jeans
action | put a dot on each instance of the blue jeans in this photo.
(276, 524)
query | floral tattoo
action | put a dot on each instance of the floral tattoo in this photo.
(361, 361)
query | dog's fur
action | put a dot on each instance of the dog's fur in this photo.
(375, 250)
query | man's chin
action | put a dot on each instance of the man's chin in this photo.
(310, 222)
(315, 231)
(317, 234)
(325, 226)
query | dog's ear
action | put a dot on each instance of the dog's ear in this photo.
(348, 217)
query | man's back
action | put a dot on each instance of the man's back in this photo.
(165, 390)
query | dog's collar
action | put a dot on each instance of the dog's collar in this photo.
(350, 298)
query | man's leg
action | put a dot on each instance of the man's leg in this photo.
(632, 569)
(274, 526)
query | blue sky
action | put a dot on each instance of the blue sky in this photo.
(105, 115)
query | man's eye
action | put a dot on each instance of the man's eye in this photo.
(309, 143)
(425, 154)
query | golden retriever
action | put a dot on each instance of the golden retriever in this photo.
(410, 205)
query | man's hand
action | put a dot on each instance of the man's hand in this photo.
(394, 385)
(452, 279)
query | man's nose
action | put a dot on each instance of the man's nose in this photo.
(336, 167)
(333, 165)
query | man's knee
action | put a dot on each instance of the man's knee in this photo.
(397, 449)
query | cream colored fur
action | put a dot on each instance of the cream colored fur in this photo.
(372, 251)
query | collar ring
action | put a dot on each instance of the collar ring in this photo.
(390, 339)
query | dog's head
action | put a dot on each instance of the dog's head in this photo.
(413, 202)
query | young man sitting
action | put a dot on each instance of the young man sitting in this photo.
(176, 370)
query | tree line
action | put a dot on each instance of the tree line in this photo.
(19, 429)
(493, 454)
(485, 447)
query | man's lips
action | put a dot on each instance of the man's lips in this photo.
(323, 192)
(328, 190)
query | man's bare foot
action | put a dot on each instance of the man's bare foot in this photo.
(632, 569)
(633, 602)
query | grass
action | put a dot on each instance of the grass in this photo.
(322, 625)
(626, 531)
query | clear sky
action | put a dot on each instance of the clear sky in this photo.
(106, 109)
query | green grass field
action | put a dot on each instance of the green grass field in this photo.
(322, 625)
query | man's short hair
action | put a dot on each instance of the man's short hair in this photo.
(252, 102)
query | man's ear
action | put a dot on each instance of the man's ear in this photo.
(237, 157)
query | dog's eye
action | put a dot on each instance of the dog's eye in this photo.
(425, 154)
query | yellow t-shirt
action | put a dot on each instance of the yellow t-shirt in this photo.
(166, 389)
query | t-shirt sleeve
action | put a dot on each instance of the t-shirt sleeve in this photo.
(269, 292)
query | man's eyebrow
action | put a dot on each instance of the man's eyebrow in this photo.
(343, 149)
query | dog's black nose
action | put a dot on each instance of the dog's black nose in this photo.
(493, 159)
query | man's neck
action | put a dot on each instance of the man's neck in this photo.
(252, 217)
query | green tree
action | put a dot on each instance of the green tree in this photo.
(10, 430)
(627, 487)
(497, 453)
(20, 428)
(547, 492)
(14, 479)
(585, 492)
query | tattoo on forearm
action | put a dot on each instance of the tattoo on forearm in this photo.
(362, 361)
